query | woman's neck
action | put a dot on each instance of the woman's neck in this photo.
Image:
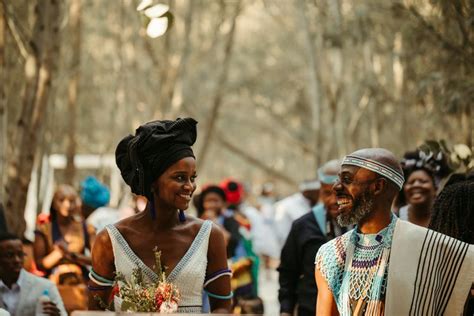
(419, 211)
(162, 217)
(63, 221)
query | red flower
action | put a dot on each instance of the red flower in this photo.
(115, 292)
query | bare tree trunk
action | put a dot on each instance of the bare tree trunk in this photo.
(255, 162)
(3, 104)
(221, 83)
(314, 88)
(179, 82)
(39, 69)
(73, 88)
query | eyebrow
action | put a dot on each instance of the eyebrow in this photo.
(345, 172)
(180, 172)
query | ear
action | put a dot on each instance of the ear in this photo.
(380, 186)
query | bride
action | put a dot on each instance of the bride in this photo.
(158, 163)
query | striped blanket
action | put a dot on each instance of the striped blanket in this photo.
(429, 274)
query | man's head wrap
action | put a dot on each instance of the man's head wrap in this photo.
(384, 169)
(154, 148)
(309, 185)
(325, 172)
(94, 193)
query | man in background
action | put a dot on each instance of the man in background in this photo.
(293, 207)
(21, 290)
(308, 233)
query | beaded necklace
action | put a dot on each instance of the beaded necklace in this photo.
(365, 273)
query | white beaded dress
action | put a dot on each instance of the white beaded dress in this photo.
(188, 275)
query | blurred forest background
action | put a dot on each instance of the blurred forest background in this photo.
(277, 86)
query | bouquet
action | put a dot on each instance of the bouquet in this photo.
(138, 295)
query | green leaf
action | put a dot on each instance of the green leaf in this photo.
(128, 306)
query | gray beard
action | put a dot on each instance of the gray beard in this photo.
(362, 208)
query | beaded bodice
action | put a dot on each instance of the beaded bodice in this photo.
(188, 275)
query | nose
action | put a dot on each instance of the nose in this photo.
(337, 185)
(189, 185)
(18, 258)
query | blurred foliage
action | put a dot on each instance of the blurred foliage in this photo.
(390, 73)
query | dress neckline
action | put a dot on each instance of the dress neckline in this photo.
(181, 263)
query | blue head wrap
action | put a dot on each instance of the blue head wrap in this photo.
(326, 178)
(94, 193)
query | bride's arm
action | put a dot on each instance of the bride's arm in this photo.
(103, 272)
(218, 273)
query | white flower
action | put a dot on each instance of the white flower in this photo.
(462, 151)
(168, 307)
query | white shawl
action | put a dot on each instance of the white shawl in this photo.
(429, 273)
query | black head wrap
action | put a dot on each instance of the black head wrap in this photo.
(154, 148)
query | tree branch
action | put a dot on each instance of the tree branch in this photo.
(254, 161)
(221, 82)
(17, 32)
(446, 43)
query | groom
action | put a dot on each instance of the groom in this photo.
(386, 265)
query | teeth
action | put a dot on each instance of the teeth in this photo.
(185, 196)
(342, 202)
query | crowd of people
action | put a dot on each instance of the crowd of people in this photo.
(352, 241)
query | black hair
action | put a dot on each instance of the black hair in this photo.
(232, 186)
(8, 236)
(210, 189)
(213, 189)
(453, 209)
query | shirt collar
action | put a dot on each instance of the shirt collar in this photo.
(18, 284)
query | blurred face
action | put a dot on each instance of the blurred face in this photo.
(213, 202)
(328, 197)
(353, 194)
(65, 203)
(312, 196)
(177, 184)
(419, 188)
(11, 258)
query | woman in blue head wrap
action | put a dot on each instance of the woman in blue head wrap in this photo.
(158, 163)
(94, 195)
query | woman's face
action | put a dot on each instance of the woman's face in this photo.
(175, 187)
(419, 188)
(213, 202)
(65, 203)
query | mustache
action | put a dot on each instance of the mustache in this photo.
(362, 208)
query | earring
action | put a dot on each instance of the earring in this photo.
(182, 217)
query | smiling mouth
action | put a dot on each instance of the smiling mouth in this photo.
(343, 202)
(187, 197)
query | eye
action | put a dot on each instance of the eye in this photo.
(346, 179)
(180, 178)
(193, 178)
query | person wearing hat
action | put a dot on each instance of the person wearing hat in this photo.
(94, 195)
(158, 163)
(308, 233)
(387, 266)
(294, 206)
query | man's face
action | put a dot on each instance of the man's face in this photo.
(312, 196)
(353, 194)
(328, 197)
(11, 258)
